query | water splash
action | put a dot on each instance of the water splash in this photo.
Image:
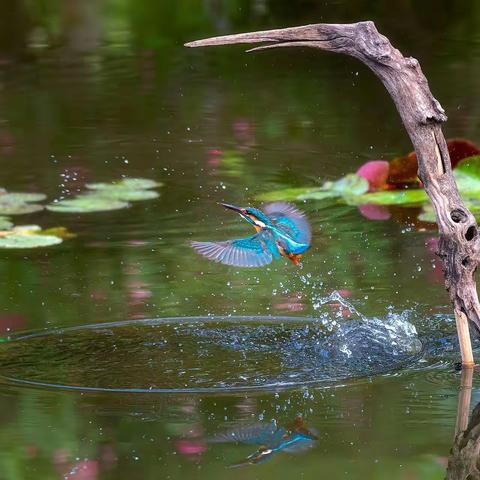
(211, 353)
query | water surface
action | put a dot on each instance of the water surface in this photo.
(95, 93)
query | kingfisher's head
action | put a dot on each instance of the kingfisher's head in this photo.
(253, 216)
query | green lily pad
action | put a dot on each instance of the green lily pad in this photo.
(18, 208)
(21, 240)
(87, 204)
(427, 214)
(126, 183)
(5, 223)
(127, 195)
(391, 197)
(348, 186)
(21, 197)
(286, 194)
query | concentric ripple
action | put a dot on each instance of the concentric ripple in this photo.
(207, 353)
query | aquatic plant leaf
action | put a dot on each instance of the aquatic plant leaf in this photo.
(468, 166)
(126, 183)
(21, 197)
(127, 195)
(286, 194)
(391, 197)
(427, 214)
(347, 186)
(5, 223)
(18, 208)
(460, 148)
(350, 184)
(61, 232)
(87, 204)
(22, 240)
(376, 174)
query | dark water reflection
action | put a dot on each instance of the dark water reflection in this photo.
(91, 91)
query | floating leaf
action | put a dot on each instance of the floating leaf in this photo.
(350, 184)
(61, 232)
(347, 186)
(27, 236)
(127, 195)
(286, 194)
(18, 203)
(18, 208)
(87, 204)
(319, 194)
(427, 214)
(392, 197)
(126, 183)
(468, 166)
(20, 240)
(5, 223)
(460, 148)
(376, 173)
(21, 197)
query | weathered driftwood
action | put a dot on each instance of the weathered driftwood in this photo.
(422, 117)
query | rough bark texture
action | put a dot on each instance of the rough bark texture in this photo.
(422, 116)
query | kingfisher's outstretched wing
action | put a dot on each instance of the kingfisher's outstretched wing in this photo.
(244, 252)
(291, 220)
(253, 434)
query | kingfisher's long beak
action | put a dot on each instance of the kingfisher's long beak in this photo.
(315, 35)
(232, 207)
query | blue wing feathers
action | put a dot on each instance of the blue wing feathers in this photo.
(291, 220)
(243, 252)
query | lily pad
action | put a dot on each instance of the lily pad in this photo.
(21, 197)
(27, 236)
(349, 185)
(5, 223)
(20, 240)
(18, 208)
(127, 195)
(61, 232)
(286, 194)
(126, 183)
(87, 204)
(392, 197)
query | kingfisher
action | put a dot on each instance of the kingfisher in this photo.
(270, 438)
(281, 231)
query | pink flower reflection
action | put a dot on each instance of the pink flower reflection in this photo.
(344, 311)
(190, 446)
(289, 303)
(371, 211)
(244, 132)
(214, 157)
(83, 470)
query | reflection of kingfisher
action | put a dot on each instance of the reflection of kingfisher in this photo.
(282, 231)
(271, 439)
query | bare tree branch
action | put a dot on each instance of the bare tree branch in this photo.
(422, 117)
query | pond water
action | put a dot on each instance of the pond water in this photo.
(343, 368)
